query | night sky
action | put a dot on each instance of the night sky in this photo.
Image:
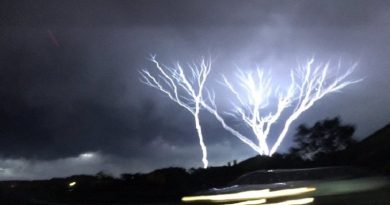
(71, 99)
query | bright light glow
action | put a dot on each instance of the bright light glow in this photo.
(289, 192)
(72, 184)
(288, 202)
(250, 202)
(184, 88)
(87, 155)
(253, 91)
(294, 202)
(248, 195)
(257, 92)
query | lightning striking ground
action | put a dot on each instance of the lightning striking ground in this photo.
(312, 84)
(184, 89)
(252, 93)
(254, 89)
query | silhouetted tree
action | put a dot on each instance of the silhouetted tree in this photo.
(324, 137)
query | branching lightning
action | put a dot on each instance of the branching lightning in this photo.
(184, 88)
(312, 84)
(252, 94)
(254, 89)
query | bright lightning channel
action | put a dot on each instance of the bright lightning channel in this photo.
(184, 89)
(308, 85)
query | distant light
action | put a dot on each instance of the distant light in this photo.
(87, 155)
(72, 184)
(248, 195)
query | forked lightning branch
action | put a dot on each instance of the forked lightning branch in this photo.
(251, 93)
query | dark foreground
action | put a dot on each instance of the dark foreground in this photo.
(376, 197)
(324, 186)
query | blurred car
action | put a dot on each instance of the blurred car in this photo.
(323, 185)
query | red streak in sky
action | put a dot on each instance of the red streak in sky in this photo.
(53, 38)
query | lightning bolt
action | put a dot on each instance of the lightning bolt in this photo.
(313, 84)
(182, 88)
(254, 89)
(253, 92)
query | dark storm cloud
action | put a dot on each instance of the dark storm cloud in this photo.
(341, 14)
(69, 74)
(55, 104)
(188, 13)
(140, 12)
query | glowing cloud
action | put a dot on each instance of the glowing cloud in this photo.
(87, 155)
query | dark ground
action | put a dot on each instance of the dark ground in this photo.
(167, 186)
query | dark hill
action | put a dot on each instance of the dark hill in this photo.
(277, 161)
(169, 184)
(373, 151)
